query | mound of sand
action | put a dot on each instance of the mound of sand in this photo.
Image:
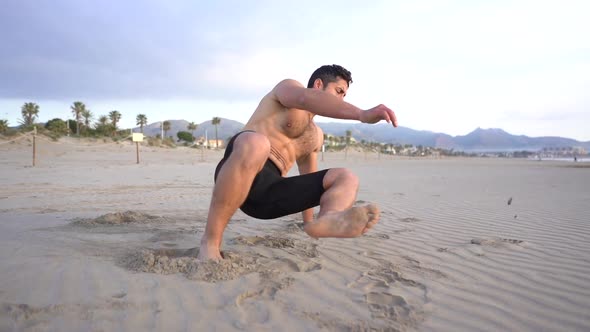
(287, 259)
(171, 261)
(119, 218)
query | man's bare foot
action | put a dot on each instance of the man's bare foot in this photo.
(348, 223)
(209, 252)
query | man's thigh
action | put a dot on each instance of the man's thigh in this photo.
(287, 196)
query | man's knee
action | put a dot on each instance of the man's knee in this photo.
(341, 176)
(252, 149)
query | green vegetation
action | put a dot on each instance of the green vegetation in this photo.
(3, 126)
(115, 116)
(87, 115)
(29, 111)
(216, 121)
(165, 127)
(141, 120)
(185, 136)
(78, 108)
(57, 127)
(192, 127)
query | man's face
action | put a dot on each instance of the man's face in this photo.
(337, 88)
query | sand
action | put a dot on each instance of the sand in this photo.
(90, 240)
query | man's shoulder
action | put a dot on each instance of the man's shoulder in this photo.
(290, 82)
(287, 83)
(281, 87)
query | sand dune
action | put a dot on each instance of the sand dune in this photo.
(93, 241)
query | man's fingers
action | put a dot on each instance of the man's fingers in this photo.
(387, 117)
(382, 112)
(392, 117)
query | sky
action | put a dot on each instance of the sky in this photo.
(442, 66)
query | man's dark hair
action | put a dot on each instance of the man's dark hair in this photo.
(329, 74)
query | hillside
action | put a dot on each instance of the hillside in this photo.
(477, 140)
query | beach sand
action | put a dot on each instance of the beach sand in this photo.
(90, 240)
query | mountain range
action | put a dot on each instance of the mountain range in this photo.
(480, 140)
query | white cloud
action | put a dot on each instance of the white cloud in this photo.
(446, 66)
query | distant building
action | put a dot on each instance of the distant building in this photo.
(210, 143)
(556, 152)
(579, 150)
(330, 140)
(388, 148)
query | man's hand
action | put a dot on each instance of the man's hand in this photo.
(378, 113)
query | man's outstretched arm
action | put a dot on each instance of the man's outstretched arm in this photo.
(292, 94)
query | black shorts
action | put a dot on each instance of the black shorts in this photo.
(272, 196)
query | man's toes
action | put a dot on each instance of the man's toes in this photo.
(372, 223)
(373, 212)
(372, 218)
(368, 226)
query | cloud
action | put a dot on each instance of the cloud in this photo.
(83, 49)
(71, 49)
(443, 65)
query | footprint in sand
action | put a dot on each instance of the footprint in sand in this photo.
(498, 242)
(478, 246)
(267, 241)
(379, 285)
(378, 236)
(295, 247)
(271, 282)
(289, 265)
(386, 305)
(409, 219)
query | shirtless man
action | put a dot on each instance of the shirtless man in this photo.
(281, 132)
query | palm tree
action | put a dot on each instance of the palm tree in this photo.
(3, 125)
(216, 121)
(166, 127)
(115, 116)
(103, 126)
(192, 127)
(141, 121)
(77, 109)
(103, 120)
(87, 115)
(29, 112)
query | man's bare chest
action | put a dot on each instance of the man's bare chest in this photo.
(303, 134)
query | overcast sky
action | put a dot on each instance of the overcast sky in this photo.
(442, 66)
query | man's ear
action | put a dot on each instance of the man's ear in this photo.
(318, 84)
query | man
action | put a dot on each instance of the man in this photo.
(281, 132)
